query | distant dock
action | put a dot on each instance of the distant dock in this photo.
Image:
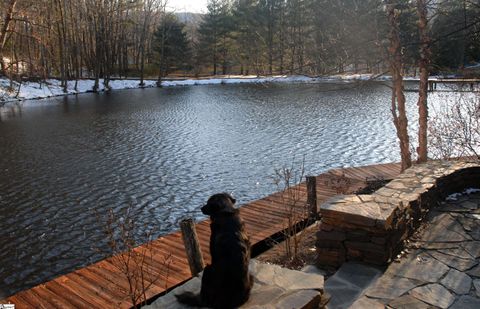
(102, 285)
(468, 84)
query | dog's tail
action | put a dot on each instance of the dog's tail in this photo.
(190, 299)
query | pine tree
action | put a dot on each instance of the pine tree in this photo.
(171, 45)
(215, 34)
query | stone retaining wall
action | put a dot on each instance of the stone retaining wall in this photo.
(372, 228)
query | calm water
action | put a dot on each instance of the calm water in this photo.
(164, 151)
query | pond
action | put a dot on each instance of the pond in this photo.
(162, 152)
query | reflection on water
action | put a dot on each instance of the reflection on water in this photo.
(164, 151)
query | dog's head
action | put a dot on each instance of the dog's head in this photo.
(221, 203)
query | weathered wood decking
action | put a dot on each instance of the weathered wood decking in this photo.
(101, 285)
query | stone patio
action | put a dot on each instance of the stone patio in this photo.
(440, 266)
(274, 287)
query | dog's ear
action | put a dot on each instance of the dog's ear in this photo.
(228, 207)
(232, 199)
(228, 203)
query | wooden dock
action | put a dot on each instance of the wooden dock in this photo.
(102, 285)
(432, 84)
(464, 84)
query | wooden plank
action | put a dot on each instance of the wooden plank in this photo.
(42, 301)
(82, 294)
(19, 302)
(92, 291)
(106, 287)
(261, 217)
(111, 277)
(249, 215)
(171, 269)
(178, 265)
(280, 210)
(76, 300)
(175, 247)
(53, 298)
(273, 209)
(22, 300)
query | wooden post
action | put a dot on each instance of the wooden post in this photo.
(192, 247)
(312, 197)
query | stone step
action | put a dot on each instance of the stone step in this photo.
(274, 287)
(349, 283)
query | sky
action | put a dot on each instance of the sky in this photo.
(194, 6)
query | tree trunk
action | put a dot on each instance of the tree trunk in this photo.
(425, 55)
(398, 98)
(3, 32)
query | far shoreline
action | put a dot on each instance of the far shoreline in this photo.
(32, 91)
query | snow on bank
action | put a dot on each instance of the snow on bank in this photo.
(52, 87)
(456, 196)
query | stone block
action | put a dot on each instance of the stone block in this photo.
(363, 214)
(418, 266)
(354, 255)
(457, 281)
(332, 235)
(264, 296)
(328, 244)
(386, 192)
(476, 284)
(408, 302)
(365, 302)
(475, 272)
(466, 302)
(453, 261)
(326, 227)
(377, 259)
(388, 287)
(434, 294)
(357, 235)
(379, 240)
(367, 247)
(287, 279)
(457, 252)
(349, 282)
(473, 248)
(341, 224)
(305, 299)
(331, 257)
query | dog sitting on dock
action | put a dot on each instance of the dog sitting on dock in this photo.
(226, 282)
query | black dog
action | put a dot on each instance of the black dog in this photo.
(226, 283)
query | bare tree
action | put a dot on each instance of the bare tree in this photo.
(454, 129)
(296, 208)
(163, 36)
(425, 56)
(398, 98)
(135, 263)
(7, 20)
(150, 8)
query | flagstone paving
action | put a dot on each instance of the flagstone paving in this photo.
(440, 265)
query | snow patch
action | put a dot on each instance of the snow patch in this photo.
(455, 196)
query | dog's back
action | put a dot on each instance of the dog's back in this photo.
(226, 282)
(230, 251)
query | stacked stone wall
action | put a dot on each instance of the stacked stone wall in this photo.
(372, 228)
